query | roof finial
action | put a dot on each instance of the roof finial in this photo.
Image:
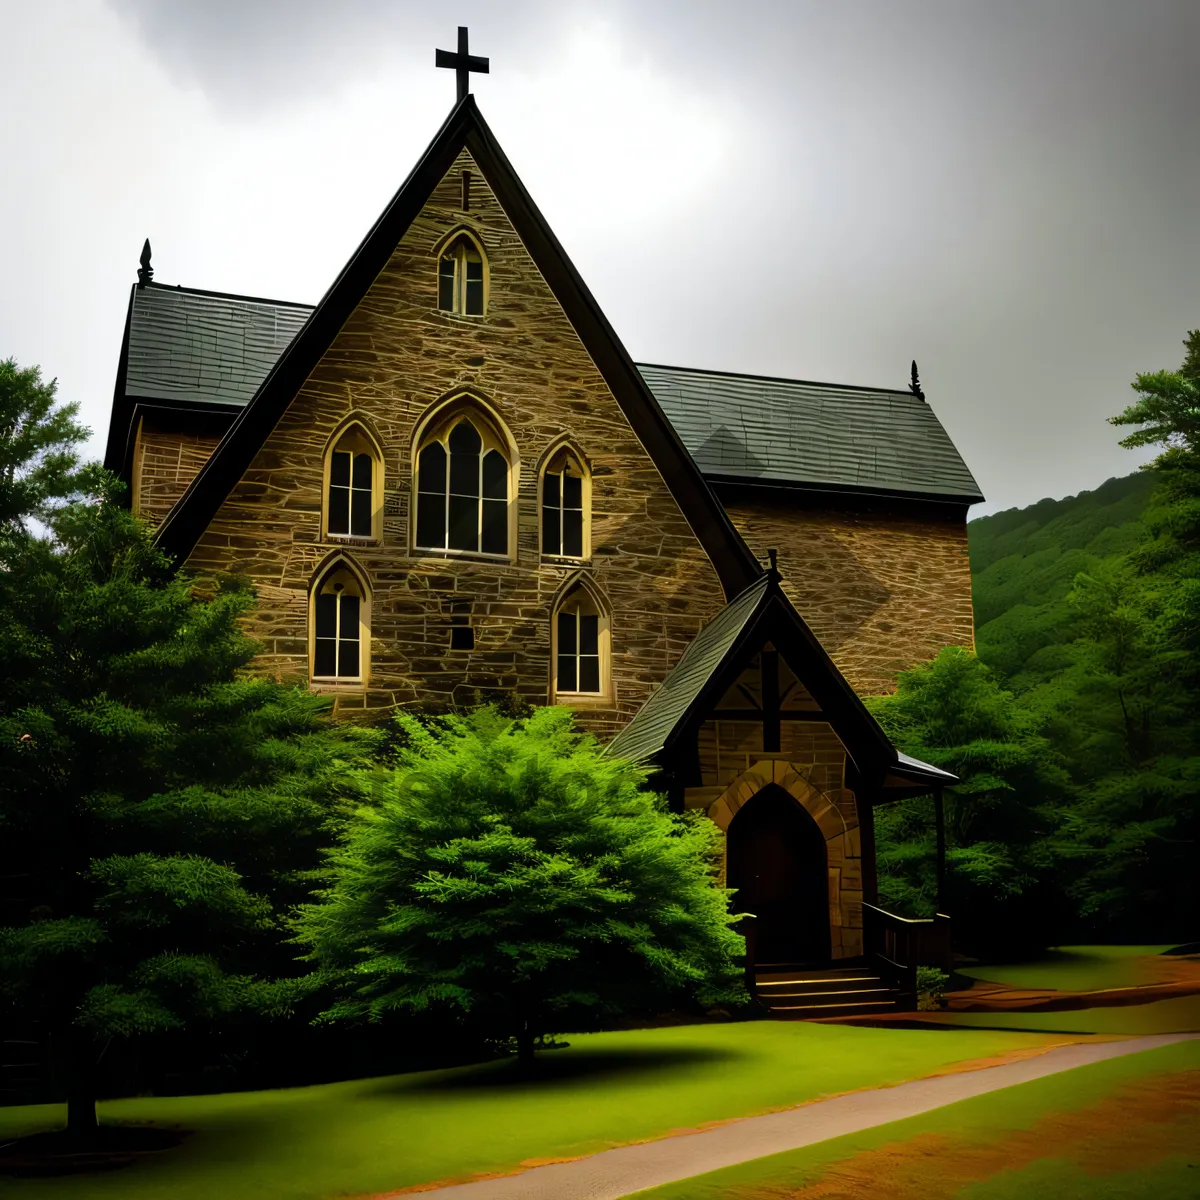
(915, 386)
(146, 271)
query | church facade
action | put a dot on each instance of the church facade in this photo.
(448, 482)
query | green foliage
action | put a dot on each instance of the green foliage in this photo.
(39, 463)
(510, 870)
(159, 810)
(953, 713)
(931, 987)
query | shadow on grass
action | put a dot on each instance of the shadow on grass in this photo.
(53, 1153)
(563, 1066)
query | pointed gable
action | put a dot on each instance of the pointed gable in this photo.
(465, 132)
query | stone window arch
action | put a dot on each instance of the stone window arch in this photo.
(581, 647)
(352, 486)
(465, 484)
(463, 276)
(565, 488)
(339, 625)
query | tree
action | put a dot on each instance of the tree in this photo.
(39, 463)
(159, 809)
(953, 713)
(512, 871)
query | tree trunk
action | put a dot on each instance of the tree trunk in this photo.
(82, 1125)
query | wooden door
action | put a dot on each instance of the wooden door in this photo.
(776, 860)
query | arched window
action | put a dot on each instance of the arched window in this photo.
(463, 489)
(582, 647)
(462, 277)
(340, 630)
(353, 485)
(566, 501)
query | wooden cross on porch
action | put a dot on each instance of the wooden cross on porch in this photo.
(461, 63)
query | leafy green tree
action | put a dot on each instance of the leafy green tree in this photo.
(39, 462)
(953, 713)
(159, 810)
(509, 869)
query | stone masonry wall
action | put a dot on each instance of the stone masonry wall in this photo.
(396, 356)
(881, 592)
(164, 463)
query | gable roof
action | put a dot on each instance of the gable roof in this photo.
(717, 655)
(465, 128)
(819, 436)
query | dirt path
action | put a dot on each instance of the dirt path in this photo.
(616, 1173)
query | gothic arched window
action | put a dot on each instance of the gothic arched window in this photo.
(566, 504)
(581, 647)
(463, 489)
(462, 277)
(340, 629)
(353, 485)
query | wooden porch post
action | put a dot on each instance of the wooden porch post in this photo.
(939, 813)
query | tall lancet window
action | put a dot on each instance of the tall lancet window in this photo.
(565, 506)
(462, 277)
(581, 647)
(463, 489)
(353, 486)
(339, 627)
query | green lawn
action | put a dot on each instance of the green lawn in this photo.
(1178, 1015)
(988, 1148)
(1072, 968)
(380, 1134)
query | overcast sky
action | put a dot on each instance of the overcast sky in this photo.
(1008, 192)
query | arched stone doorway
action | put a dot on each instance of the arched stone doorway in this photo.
(776, 858)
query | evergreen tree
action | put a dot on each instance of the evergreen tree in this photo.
(512, 871)
(952, 712)
(39, 463)
(159, 809)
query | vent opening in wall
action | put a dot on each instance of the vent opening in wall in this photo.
(462, 633)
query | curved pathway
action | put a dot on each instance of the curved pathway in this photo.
(613, 1174)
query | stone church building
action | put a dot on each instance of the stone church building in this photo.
(449, 481)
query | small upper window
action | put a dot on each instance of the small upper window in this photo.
(565, 506)
(581, 647)
(463, 491)
(353, 487)
(462, 278)
(338, 627)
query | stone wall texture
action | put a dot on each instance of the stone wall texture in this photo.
(397, 356)
(881, 592)
(164, 463)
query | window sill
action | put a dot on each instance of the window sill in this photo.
(470, 555)
(351, 539)
(448, 312)
(566, 560)
(337, 685)
(583, 699)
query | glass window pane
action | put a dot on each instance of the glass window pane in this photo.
(589, 633)
(325, 615)
(474, 297)
(572, 491)
(446, 285)
(348, 662)
(572, 532)
(566, 633)
(589, 673)
(465, 445)
(550, 492)
(495, 527)
(431, 469)
(551, 541)
(339, 510)
(495, 475)
(464, 439)
(464, 520)
(566, 673)
(431, 520)
(360, 513)
(325, 657)
(474, 267)
(339, 469)
(348, 626)
(362, 471)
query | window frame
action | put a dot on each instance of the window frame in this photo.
(555, 463)
(340, 570)
(362, 440)
(578, 596)
(437, 427)
(458, 244)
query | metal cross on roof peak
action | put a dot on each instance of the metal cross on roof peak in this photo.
(461, 63)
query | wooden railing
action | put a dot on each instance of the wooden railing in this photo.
(897, 946)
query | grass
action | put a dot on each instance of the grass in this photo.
(1097, 1131)
(1178, 1015)
(1072, 968)
(381, 1134)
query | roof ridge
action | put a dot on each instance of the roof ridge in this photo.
(192, 291)
(844, 387)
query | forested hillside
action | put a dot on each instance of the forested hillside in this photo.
(1024, 562)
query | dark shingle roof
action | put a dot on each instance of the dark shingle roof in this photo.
(200, 346)
(203, 346)
(654, 722)
(789, 432)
